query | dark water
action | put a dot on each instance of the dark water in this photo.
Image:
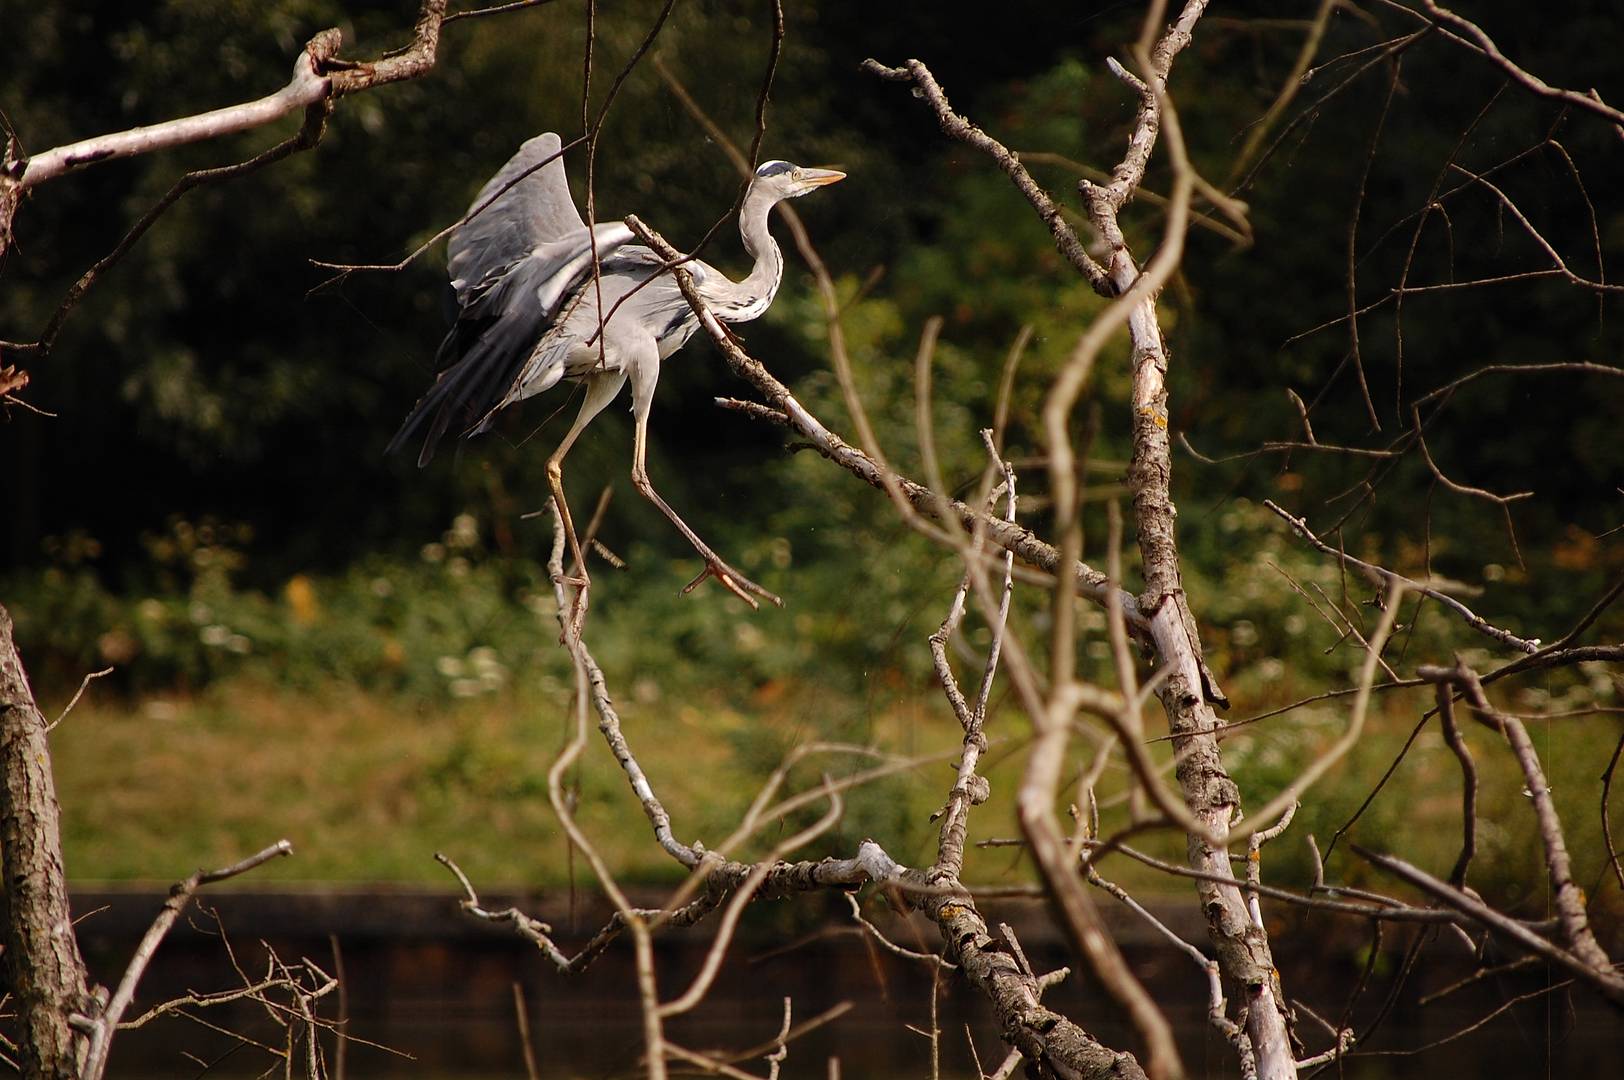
(431, 984)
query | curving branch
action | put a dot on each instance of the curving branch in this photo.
(1591, 102)
(1053, 1045)
(957, 127)
(1567, 897)
(1053, 1048)
(1606, 979)
(308, 85)
(320, 77)
(788, 411)
(307, 137)
(1189, 691)
(101, 1027)
(318, 73)
(1216, 1015)
(1381, 576)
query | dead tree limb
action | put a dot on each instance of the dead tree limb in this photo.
(320, 77)
(1590, 102)
(101, 1028)
(1606, 980)
(317, 74)
(958, 127)
(1026, 545)
(1189, 691)
(1055, 1045)
(1051, 1044)
(1566, 896)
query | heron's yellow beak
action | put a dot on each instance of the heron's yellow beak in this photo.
(821, 177)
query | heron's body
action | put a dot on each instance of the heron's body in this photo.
(655, 317)
(533, 312)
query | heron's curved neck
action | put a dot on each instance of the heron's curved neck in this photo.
(748, 299)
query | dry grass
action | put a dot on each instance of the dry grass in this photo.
(368, 787)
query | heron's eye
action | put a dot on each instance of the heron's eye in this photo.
(795, 174)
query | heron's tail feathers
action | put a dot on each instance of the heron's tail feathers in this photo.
(465, 395)
(433, 411)
(484, 356)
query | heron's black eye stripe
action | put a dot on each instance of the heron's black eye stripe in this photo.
(774, 168)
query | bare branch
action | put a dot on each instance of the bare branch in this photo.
(957, 127)
(1606, 980)
(1231, 1031)
(317, 74)
(887, 944)
(539, 933)
(84, 684)
(1468, 776)
(1381, 576)
(834, 1012)
(1054, 1045)
(497, 9)
(308, 136)
(1012, 537)
(310, 84)
(179, 896)
(1570, 904)
(1606, 824)
(1293, 82)
(1591, 102)
(1577, 366)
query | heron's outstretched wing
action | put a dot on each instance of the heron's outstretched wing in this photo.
(523, 251)
(530, 213)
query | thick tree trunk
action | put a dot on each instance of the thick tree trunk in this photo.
(44, 971)
(1242, 946)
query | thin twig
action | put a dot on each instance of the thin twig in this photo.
(77, 694)
(1382, 576)
(179, 896)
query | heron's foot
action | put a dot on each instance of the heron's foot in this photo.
(734, 582)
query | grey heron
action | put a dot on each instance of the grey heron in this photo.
(529, 315)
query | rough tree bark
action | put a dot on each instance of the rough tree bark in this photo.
(1188, 693)
(1241, 944)
(43, 966)
(1052, 1044)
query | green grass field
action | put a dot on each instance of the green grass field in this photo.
(368, 786)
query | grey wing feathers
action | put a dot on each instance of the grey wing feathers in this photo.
(536, 210)
(513, 267)
(498, 328)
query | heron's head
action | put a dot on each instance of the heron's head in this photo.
(782, 180)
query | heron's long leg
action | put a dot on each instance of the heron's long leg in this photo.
(731, 579)
(600, 391)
